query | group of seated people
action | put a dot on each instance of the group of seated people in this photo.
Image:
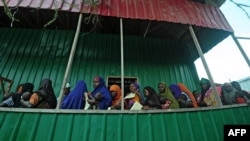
(171, 96)
(26, 97)
(229, 93)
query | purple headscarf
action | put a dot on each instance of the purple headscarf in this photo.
(176, 90)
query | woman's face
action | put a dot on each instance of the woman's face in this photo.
(145, 92)
(161, 88)
(228, 87)
(132, 88)
(113, 93)
(95, 83)
(204, 86)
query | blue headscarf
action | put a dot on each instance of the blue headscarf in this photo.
(106, 96)
(74, 100)
(176, 90)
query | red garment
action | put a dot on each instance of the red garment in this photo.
(240, 100)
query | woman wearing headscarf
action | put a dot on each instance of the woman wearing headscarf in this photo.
(116, 94)
(152, 101)
(207, 97)
(205, 85)
(165, 92)
(134, 95)
(242, 96)
(100, 95)
(14, 99)
(175, 89)
(228, 94)
(189, 95)
(44, 97)
(75, 99)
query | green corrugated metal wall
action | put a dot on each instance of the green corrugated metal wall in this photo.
(206, 125)
(29, 55)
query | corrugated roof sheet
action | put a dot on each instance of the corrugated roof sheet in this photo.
(175, 11)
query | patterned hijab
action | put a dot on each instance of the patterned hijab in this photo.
(74, 100)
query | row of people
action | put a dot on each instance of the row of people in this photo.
(175, 96)
(229, 93)
(169, 97)
(25, 97)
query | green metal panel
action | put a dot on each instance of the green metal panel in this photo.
(65, 125)
(29, 55)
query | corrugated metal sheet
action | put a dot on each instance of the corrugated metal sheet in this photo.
(174, 11)
(65, 125)
(30, 55)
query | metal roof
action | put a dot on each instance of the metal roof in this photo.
(174, 11)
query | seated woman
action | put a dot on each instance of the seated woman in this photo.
(228, 94)
(116, 93)
(75, 99)
(184, 101)
(207, 96)
(134, 95)
(241, 94)
(44, 97)
(166, 94)
(191, 101)
(152, 101)
(13, 99)
(100, 95)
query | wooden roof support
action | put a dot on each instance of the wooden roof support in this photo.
(71, 57)
(217, 97)
(240, 48)
(122, 64)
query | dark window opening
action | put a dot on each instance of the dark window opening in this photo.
(117, 80)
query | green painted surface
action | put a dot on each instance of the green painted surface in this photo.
(30, 55)
(196, 125)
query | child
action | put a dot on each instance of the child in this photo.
(239, 97)
(94, 101)
(164, 102)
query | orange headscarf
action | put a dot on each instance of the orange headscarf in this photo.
(189, 93)
(118, 91)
